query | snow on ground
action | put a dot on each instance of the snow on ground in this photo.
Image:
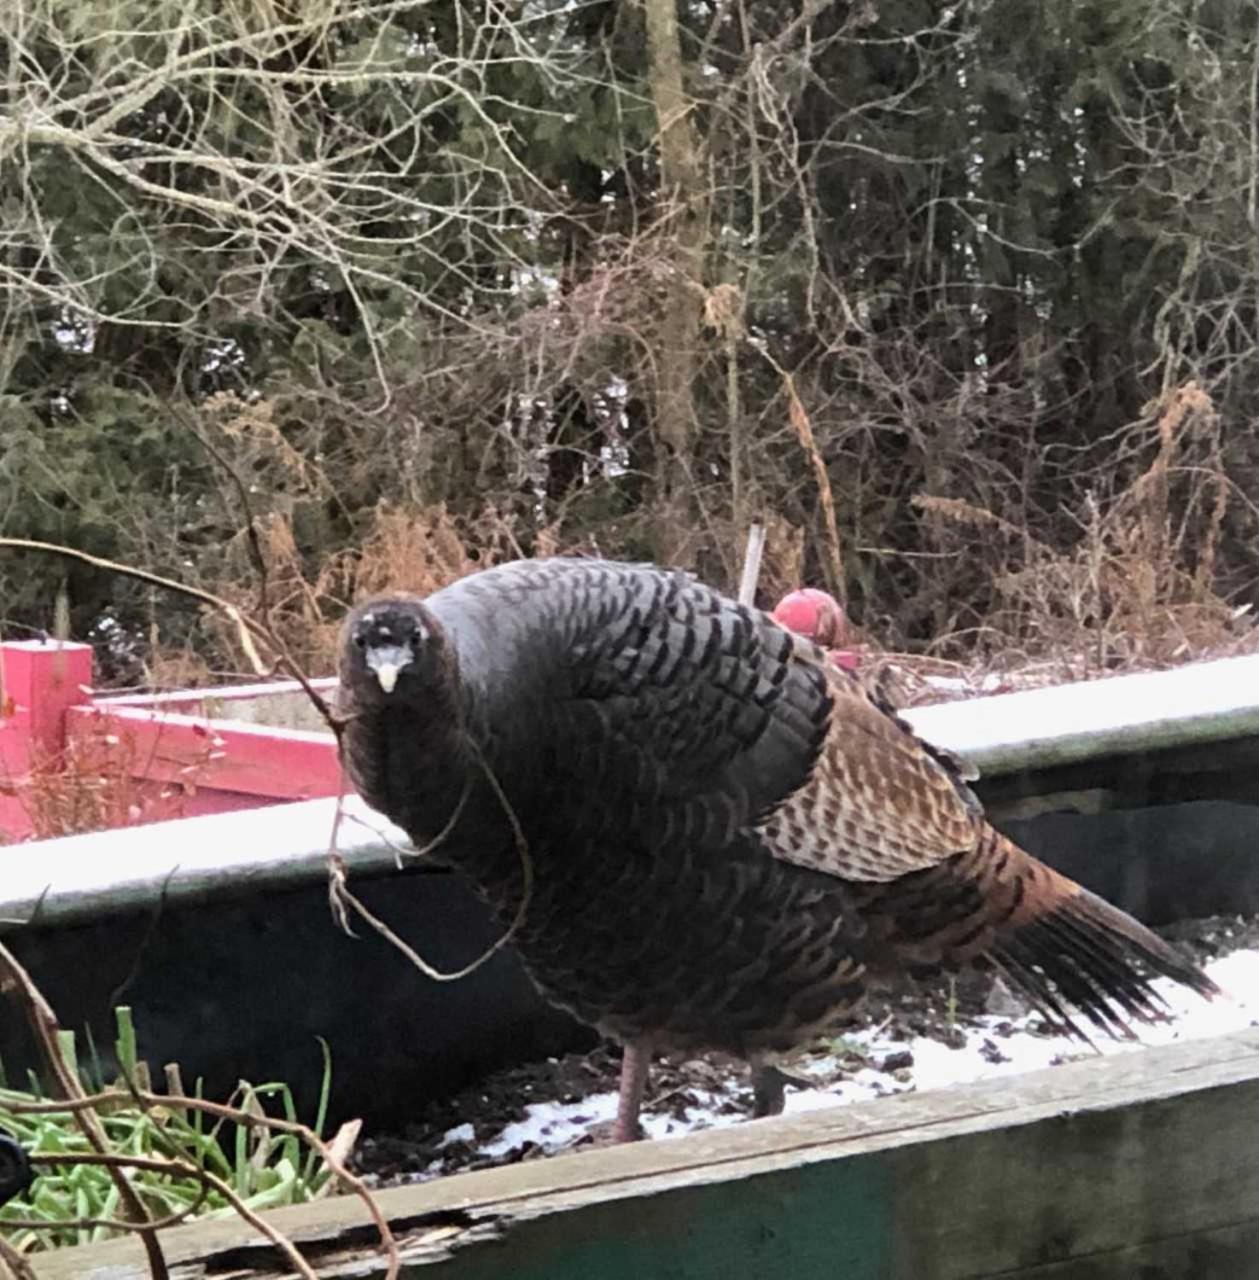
(994, 1046)
(552, 1126)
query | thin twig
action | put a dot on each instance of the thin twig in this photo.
(804, 432)
(281, 1241)
(251, 527)
(399, 853)
(46, 1028)
(173, 1167)
(341, 897)
(261, 1225)
(233, 1115)
(19, 1268)
(326, 1153)
(150, 932)
(247, 629)
(268, 631)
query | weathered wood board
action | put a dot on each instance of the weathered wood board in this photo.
(1143, 1165)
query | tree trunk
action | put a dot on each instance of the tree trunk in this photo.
(684, 195)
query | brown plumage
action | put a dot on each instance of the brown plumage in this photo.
(730, 841)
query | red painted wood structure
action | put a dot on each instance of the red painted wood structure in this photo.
(72, 759)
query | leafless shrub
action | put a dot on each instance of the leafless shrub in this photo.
(1137, 585)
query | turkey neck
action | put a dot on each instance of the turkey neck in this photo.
(417, 762)
(411, 761)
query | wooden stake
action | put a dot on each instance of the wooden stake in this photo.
(752, 564)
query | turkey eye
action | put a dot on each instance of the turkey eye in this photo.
(360, 640)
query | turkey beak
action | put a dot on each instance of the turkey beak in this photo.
(386, 661)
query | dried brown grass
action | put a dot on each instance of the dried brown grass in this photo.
(96, 783)
(407, 549)
(1137, 587)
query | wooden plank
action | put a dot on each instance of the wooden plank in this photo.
(259, 691)
(1039, 728)
(280, 704)
(162, 746)
(1073, 1172)
(87, 876)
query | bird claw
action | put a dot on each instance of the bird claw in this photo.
(768, 1089)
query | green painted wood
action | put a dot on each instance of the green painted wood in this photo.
(798, 1223)
(1082, 1171)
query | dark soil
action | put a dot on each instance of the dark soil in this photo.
(419, 1153)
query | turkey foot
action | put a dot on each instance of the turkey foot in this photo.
(768, 1083)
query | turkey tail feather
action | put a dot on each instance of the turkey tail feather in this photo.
(1073, 956)
(1095, 957)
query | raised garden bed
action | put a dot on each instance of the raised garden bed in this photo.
(173, 755)
(217, 931)
(1102, 1170)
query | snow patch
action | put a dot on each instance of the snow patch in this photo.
(460, 1133)
(991, 1047)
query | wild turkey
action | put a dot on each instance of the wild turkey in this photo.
(729, 841)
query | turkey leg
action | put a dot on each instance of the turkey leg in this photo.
(635, 1063)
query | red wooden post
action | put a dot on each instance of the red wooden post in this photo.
(39, 681)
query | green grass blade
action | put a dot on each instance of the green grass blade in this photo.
(125, 1045)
